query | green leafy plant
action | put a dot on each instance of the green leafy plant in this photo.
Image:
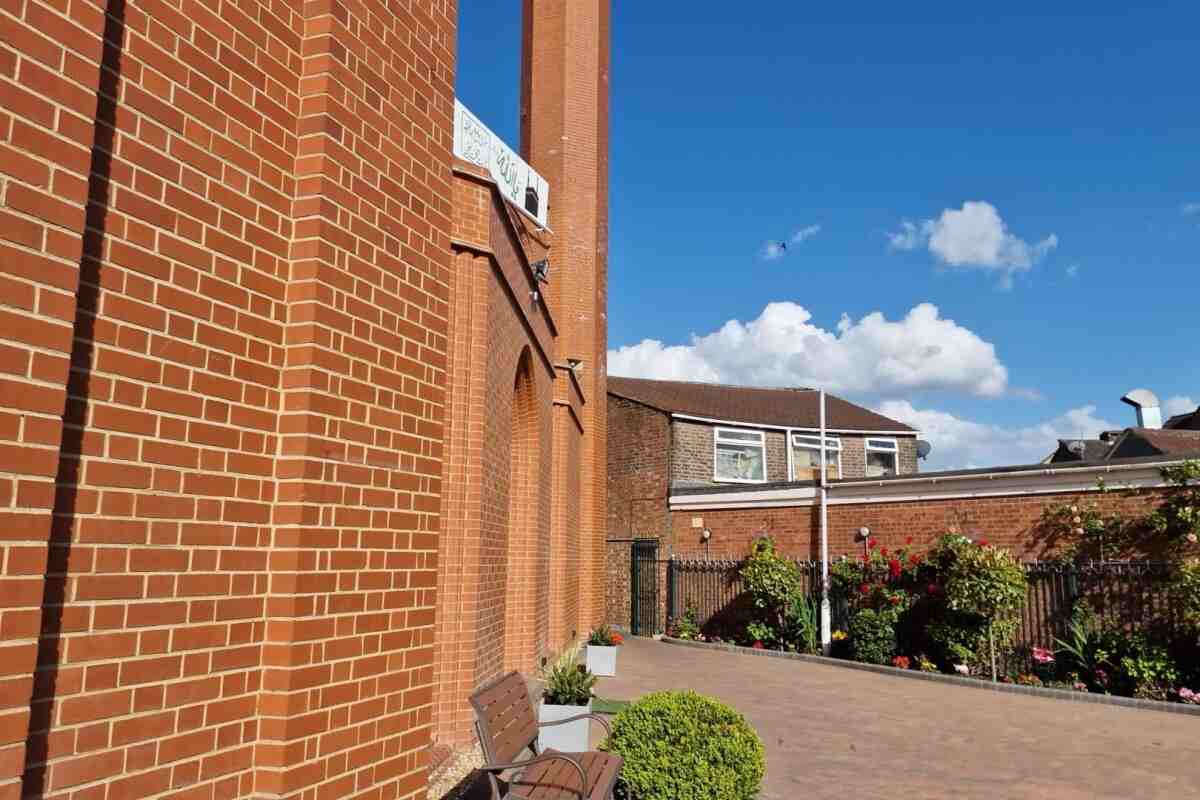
(605, 636)
(684, 746)
(1185, 590)
(1145, 668)
(686, 627)
(985, 582)
(761, 633)
(772, 581)
(568, 683)
(1080, 650)
(873, 635)
(803, 625)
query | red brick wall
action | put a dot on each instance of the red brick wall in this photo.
(494, 576)
(243, 550)
(49, 75)
(1010, 522)
(564, 599)
(639, 450)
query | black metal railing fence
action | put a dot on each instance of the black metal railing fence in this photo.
(1129, 596)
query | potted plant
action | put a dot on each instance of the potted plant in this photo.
(567, 694)
(602, 651)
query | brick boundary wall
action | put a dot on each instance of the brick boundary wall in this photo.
(1008, 521)
(1004, 506)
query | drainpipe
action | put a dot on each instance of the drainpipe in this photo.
(826, 612)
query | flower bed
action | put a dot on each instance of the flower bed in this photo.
(954, 610)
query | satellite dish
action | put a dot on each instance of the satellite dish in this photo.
(924, 448)
(1077, 447)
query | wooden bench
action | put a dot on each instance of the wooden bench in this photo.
(507, 726)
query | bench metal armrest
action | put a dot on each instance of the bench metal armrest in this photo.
(597, 717)
(583, 783)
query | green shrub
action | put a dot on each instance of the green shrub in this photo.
(873, 635)
(683, 746)
(1185, 590)
(772, 581)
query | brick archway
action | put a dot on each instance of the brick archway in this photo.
(526, 595)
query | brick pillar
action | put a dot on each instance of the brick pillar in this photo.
(347, 701)
(564, 133)
(49, 72)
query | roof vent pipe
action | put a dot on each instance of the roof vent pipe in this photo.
(1149, 415)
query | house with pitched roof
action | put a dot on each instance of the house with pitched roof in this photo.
(666, 435)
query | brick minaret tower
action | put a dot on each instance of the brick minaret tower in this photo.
(564, 135)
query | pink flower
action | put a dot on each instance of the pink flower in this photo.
(1188, 696)
(1043, 656)
(962, 669)
(758, 646)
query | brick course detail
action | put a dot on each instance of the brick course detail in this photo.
(235, 470)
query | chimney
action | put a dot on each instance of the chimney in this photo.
(1149, 415)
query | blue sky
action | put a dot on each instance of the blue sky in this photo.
(1045, 164)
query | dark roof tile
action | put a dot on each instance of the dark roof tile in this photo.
(794, 408)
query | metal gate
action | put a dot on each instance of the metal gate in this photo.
(643, 586)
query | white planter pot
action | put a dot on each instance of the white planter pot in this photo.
(602, 661)
(569, 738)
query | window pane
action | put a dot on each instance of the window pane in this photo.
(880, 464)
(806, 464)
(739, 463)
(831, 442)
(740, 436)
(881, 444)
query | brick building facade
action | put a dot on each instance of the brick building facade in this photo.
(288, 457)
(662, 437)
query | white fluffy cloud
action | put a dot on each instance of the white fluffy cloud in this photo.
(1180, 404)
(973, 237)
(874, 355)
(963, 444)
(773, 250)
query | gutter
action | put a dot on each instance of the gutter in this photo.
(1146, 474)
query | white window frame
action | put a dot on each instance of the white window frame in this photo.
(874, 444)
(762, 446)
(806, 441)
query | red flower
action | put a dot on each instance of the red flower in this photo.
(883, 551)
(914, 560)
(758, 646)
(902, 662)
(873, 544)
(894, 568)
(932, 588)
(983, 542)
(909, 540)
(864, 589)
(894, 599)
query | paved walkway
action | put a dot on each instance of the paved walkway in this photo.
(840, 733)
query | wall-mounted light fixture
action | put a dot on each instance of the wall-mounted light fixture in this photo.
(864, 535)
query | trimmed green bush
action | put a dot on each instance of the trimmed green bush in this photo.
(684, 746)
(873, 635)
